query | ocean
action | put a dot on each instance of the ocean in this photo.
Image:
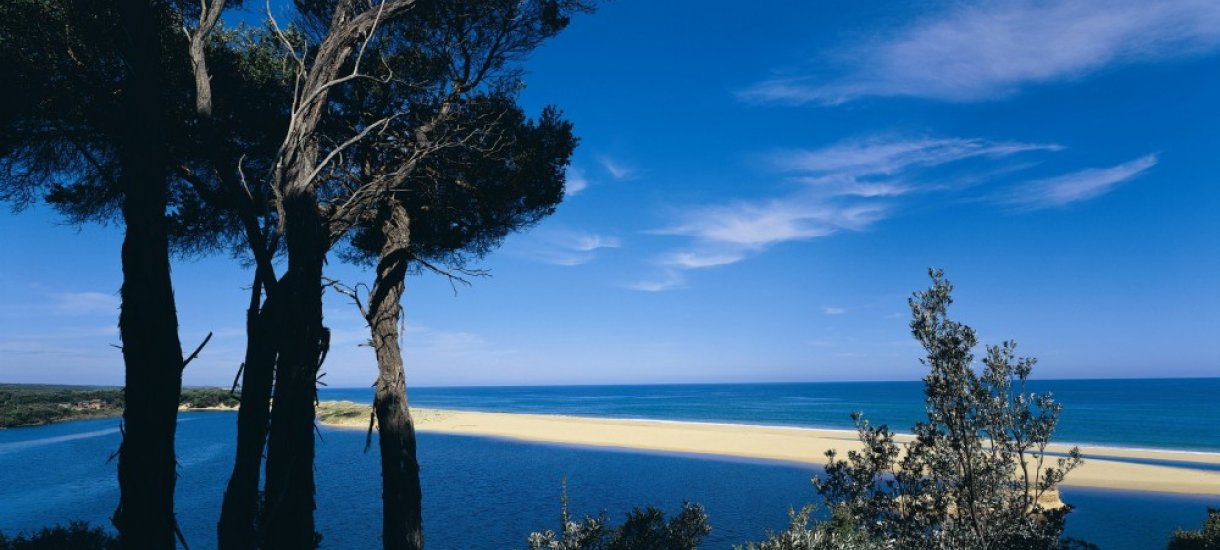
(1171, 413)
(488, 493)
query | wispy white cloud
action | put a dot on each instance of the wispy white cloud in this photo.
(983, 51)
(671, 266)
(846, 186)
(574, 181)
(84, 303)
(879, 167)
(436, 354)
(668, 279)
(566, 248)
(589, 242)
(1077, 186)
(727, 234)
(617, 169)
(226, 332)
(890, 155)
(699, 260)
(754, 226)
(444, 342)
(831, 310)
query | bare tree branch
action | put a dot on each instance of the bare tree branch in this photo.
(350, 292)
(236, 378)
(197, 350)
(379, 124)
(455, 276)
(209, 14)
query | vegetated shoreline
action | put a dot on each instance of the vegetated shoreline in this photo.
(29, 405)
(1105, 467)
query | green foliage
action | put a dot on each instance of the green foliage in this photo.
(35, 405)
(57, 127)
(468, 168)
(59, 130)
(222, 163)
(78, 535)
(804, 533)
(465, 200)
(1207, 538)
(648, 529)
(643, 530)
(200, 398)
(32, 405)
(976, 474)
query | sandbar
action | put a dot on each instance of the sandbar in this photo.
(1180, 472)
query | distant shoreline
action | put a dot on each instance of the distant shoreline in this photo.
(27, 406)
(1192, 473)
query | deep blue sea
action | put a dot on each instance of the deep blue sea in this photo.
(1172, 413)
(486, 493)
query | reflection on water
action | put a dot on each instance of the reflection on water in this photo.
(51, 440)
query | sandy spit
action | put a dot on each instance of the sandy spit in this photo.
(1107, 468)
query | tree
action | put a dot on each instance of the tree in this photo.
(215, 106)
(243, 94)
(643, 530)
(1207, 538)
(78, 535)
(91, 127)
(976, 474)
(805, 533)
(458, 207)
(436, 59)
(64, 132)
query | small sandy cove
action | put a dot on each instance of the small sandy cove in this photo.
(1182, 472)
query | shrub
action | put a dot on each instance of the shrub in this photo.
(644, 530)
(197, 398)
(804, 533)
(1207, 538)
(78, 535)
(975, 475)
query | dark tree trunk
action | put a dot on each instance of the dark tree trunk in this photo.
(148, 322)
(236, 529)
(289, 495)
(402, 498)
(288, 520)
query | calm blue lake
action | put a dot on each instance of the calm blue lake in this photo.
(481, 493)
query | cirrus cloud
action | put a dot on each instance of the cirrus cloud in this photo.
(990, 50)
(1077, 186)
(566, 248)
(852, 185)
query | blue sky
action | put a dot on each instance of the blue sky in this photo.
(756, 194)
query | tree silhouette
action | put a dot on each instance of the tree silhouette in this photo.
(90, 129)
(442, 96)
(459, 206)
(391, 84)
(245, 138)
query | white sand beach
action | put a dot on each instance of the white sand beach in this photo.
(1109, 468)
